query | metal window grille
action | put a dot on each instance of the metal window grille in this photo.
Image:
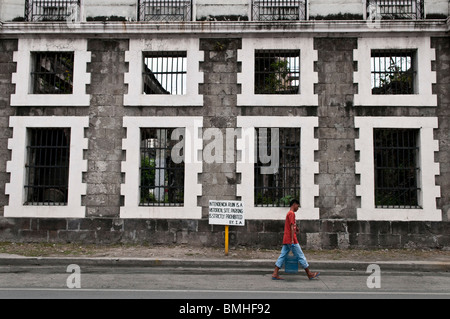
(277, 72)
(279, 10)
(165, 10)
(397, 9)
(165, 73)
(393, 72)
(277, 182)
(50, 10)
(396, 168)
(47, 167)
(162, 178)
(52, 72)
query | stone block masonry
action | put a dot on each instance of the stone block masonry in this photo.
(337, 201)
(336, 132)
(106, 131)
(7, 67)
(220, 89)
(317, 234)
(442, 89)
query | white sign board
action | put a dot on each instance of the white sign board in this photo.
(229, 213)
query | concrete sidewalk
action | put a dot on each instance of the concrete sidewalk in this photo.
(245, 258)
(255, 264)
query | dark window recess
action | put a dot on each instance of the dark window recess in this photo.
(277, 72)
(277, 167)
(162, 177)
(396, 168)
(50, 10)
(393, 72)
(396, 9)
(47, 167)
(165, 73)
(52, 72)
(279, 10)
(165, 10)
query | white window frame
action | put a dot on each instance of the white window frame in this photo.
(22, 78)
(425, 77)
(308, 167)
(427, 174)
(16, 167)
(134, 78)
(308, 55)
(131, 168)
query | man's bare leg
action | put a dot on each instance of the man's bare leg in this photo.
(275, 275)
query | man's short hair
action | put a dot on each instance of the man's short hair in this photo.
(294, 201)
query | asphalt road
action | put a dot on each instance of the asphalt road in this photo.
(47, 282)
(45, 293)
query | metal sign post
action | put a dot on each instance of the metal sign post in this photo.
(227, 213)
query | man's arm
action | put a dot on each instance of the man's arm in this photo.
(292, 233)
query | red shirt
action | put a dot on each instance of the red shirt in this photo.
(290, 220)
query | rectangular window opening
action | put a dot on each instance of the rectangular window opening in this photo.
(396, 9)
(397, 170)
(47, 167)
(52, 72)
(279, 10)
(165, 73)
(393, 72)
(165, 10)
(277, 72)
(50, 10)
(162, 168)
(277, 166)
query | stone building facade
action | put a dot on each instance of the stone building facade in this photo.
(97, 101)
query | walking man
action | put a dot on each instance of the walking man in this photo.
(290, 243)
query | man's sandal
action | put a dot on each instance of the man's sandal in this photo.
(314, 276)
(277, 278)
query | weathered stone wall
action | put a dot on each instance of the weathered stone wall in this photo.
(336, 132)
(220, 89)
(7, 67)
(337, 180)
(106, 130)
(317, 234)
(442, 89)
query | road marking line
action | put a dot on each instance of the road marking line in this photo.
(233, 291)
